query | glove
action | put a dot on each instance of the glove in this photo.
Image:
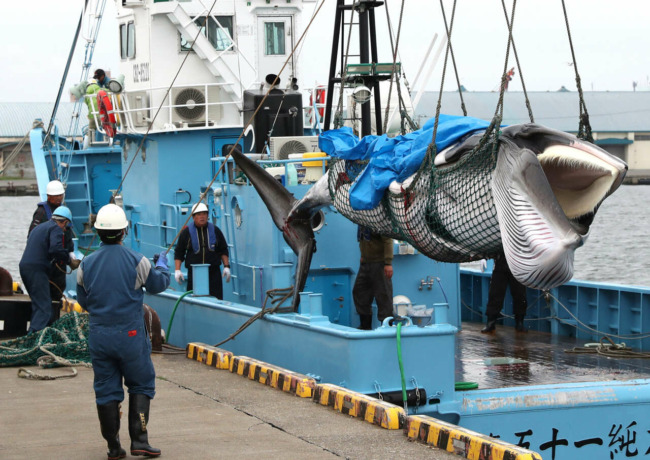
(226, 274)
(162, 261)
(74, 264)
(179, 276)
(483, 264)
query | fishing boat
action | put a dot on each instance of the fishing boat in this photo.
(163, 141)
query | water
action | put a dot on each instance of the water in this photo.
(617, 250)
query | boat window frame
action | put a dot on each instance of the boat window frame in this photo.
(212, 25)
(127, 40)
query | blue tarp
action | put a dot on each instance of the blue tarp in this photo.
(392, 159)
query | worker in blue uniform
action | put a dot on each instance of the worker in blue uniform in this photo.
(109, 286)
(45, 247)
(201, 242)
(55, 196)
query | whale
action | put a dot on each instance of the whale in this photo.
(534, 199)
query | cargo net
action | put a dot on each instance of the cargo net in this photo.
(64, 343)
(446, 212)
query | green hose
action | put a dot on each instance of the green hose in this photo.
(169, 328)
(401, 364)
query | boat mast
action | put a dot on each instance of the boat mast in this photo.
(364, 72)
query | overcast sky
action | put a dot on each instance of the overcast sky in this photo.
(611, 41)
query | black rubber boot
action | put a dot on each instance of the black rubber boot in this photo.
(366, 322)
(519, 325)
(138, 419)
(109, 421)
(491, 326)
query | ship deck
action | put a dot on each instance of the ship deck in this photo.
(508, 358)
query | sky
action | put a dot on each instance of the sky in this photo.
(610, 38)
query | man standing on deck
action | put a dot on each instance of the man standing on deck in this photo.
(502, 277)
(374, 278)
(55, 195)
(201, 242)
(45, 249)
(109, 286)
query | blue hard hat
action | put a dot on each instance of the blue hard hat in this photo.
(62, 211)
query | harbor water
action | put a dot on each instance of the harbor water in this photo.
(617, 250)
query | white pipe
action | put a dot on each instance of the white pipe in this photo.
(420, 92)
(425, 60)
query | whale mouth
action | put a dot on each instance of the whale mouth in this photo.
(547, 187)
(580, 181)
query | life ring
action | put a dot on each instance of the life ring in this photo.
(320, 100)
(106, 113)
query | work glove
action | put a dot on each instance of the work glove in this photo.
(161, 261)
(226, 274)
(179, 276)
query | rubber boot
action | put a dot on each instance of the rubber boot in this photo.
(491, 326)
(366, 322)
(138, 419)
(109, 421)
(519, 325)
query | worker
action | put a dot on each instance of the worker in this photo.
(109, 287)
(502, 277)
(55, 196)
(45, 246)
(201, 242)
(374, 278)
(101, 78)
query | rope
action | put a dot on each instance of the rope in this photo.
(394, 69)
(241, 135)
(521, 74)
(278, 296)
(431, 151)
(584, 127)
(610, 350)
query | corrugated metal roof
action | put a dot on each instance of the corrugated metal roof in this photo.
(616, 111)
(17, 118)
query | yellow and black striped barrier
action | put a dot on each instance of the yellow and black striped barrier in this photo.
(211, 356)
(273, 376)
(358, 405)
(463, 442)
(428, 430)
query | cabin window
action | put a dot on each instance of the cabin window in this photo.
(127, 40)
(218, 30)
(274, 35)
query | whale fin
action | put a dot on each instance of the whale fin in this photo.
(279, 201)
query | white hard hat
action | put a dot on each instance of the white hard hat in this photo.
(199, 207)
(111, 217)
(54, 187)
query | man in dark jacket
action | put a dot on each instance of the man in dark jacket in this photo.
(55, 195)
(374, 278)
(109, 286)
(201, 242)
(44, 249)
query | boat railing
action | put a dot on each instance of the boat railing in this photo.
(582, 309)
(289, 171)
(202, 107)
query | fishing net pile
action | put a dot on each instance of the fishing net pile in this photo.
(447, 212)
(64, 343)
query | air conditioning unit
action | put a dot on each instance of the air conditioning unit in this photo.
(190, 106)
(282, 147)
